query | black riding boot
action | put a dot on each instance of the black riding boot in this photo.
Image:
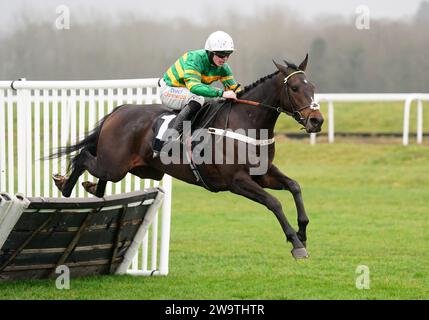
(185, 114)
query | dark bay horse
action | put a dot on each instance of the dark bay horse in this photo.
(122, 143)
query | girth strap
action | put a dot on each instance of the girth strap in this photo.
(187, 149)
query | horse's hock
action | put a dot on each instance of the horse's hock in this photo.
(128, 231)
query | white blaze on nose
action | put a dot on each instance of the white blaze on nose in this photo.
(314, 105)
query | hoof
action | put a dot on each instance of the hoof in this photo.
(299, 253)
(89, 187)
(57, 176)
(59, 181)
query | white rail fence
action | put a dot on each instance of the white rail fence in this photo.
(37, 117)
(407, 98)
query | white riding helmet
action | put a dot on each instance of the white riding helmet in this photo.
(219, 41)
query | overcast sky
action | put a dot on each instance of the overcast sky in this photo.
(196, 10)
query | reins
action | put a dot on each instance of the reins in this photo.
(260, 104)
(278, 109)
(296, 113)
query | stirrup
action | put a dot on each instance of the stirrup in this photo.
(171, 139)
(179, 138)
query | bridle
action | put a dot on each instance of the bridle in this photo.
(296, 110)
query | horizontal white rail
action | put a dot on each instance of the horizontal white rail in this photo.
(362, 97)
(84, 84)
(407, 98)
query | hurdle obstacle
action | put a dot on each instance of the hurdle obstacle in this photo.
(36, 117)
(90, 236)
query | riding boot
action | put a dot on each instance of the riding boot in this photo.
(185, 114)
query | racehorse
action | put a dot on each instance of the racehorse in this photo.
(122, 143)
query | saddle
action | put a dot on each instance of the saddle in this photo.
(202, 119)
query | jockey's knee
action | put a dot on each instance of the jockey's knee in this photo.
(197, 99)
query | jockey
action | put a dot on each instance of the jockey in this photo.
(186, 83)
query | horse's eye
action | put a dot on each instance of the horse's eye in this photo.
(294, 89)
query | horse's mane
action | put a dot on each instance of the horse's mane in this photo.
(254, 84)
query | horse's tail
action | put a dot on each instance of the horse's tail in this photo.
(89, 143)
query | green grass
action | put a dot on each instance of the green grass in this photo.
(367, 206)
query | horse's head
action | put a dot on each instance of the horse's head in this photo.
(297, 96)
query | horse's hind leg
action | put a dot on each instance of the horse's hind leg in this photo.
(71, 181)
(101, 188)
(95, 188)
(104, 173)
(66, 185)
(83, 161)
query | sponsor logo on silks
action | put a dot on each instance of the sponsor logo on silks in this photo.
(176, 91)
(176, 96)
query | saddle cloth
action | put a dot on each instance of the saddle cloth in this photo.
(164, 122)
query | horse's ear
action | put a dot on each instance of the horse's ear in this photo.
(281, 68)
(303, 64)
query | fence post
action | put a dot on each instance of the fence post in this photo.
(165, 226)
(419, 121)
(406, 128)
(331, 132)
(23, 129)
(2, 140)
(313, 137)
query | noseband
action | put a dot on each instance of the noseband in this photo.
(296, 110)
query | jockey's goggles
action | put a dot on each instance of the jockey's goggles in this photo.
(222, 54)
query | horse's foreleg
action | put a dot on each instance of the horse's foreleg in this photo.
(275, 179)
(245, 186)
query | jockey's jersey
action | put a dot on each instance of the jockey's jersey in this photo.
(194, 71)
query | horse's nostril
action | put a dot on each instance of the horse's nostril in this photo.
(316, 122)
